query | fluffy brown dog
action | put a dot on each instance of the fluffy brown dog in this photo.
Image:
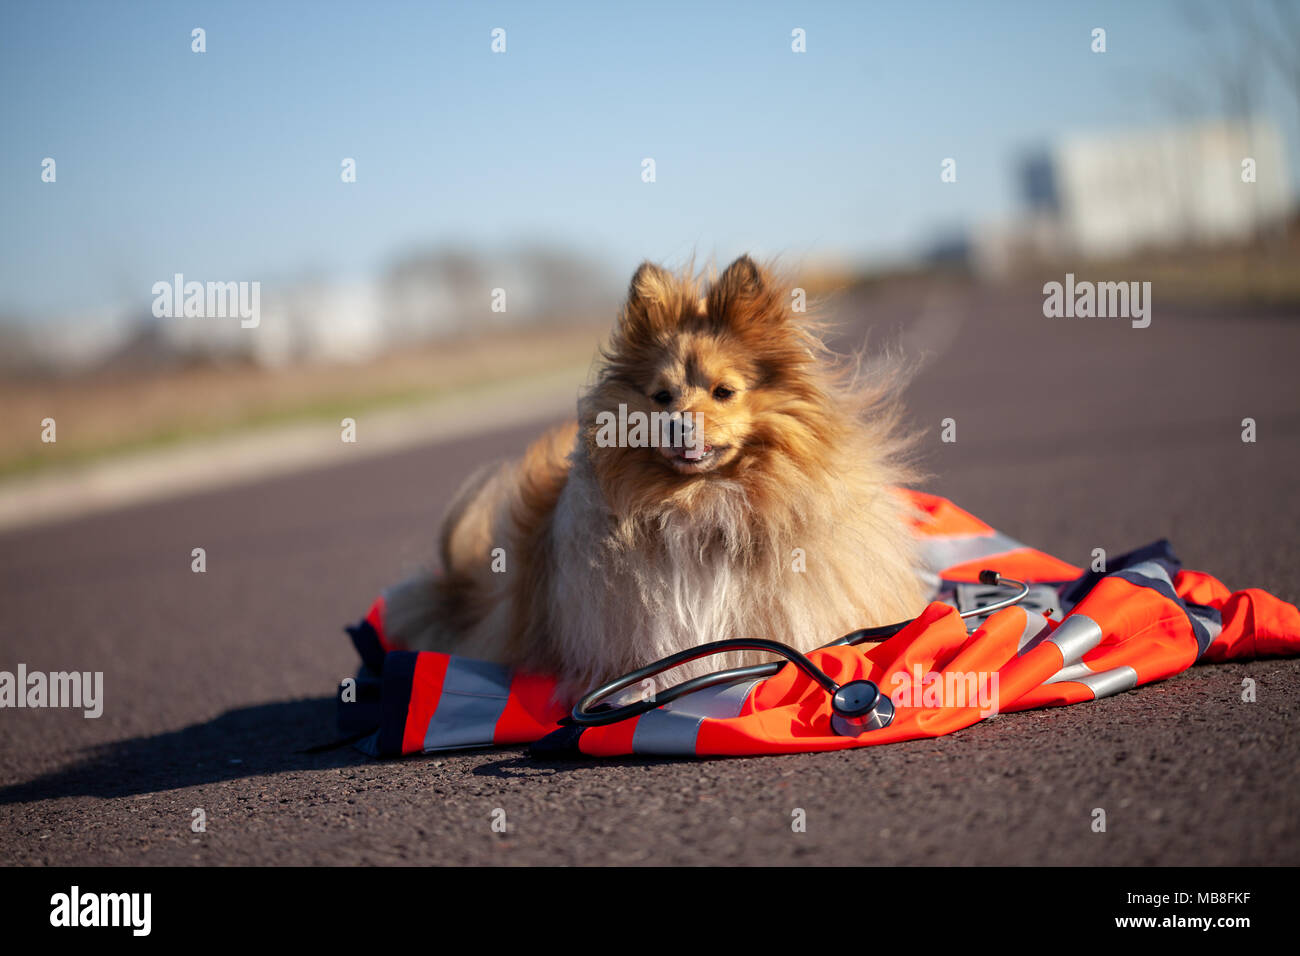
(767, 511)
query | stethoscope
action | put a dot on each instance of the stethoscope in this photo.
(857, 705)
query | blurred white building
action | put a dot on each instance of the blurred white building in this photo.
(428, 295)
(1109, 194)
(1124, 191)
(309, 321)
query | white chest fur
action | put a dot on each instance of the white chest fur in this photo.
(691, 579)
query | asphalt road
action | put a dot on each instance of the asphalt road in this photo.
(1071, 434)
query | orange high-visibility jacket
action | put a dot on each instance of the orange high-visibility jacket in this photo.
(1080, 636)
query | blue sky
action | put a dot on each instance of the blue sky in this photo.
(225, 165)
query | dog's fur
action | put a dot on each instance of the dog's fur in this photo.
(617, 556)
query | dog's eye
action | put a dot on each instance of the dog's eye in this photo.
(664, 397)
(722, 393)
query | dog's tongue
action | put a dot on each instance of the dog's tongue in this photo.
(695, 452)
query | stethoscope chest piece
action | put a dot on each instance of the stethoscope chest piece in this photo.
(858, 707)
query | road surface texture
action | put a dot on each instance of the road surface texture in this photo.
(1072, 434)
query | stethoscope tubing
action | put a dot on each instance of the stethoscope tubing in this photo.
(582, 715)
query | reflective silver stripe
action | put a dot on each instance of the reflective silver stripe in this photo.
(1035, 625)
(1077, 635)
(672, 729)
(665, 732)
(473, 698)
(1075, 672)
(940, 552)
(1150, 569)
(719, 702)
(1111, 682)
(1102, 684)
(1213, 627)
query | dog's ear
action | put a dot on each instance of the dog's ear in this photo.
(651, 301)
(743, 295)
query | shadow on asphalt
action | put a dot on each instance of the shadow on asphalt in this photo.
(249, 741)
(527, 765)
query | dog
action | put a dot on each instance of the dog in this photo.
(769, 510)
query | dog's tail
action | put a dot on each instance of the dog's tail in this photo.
(430, 609)
(486, 539)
